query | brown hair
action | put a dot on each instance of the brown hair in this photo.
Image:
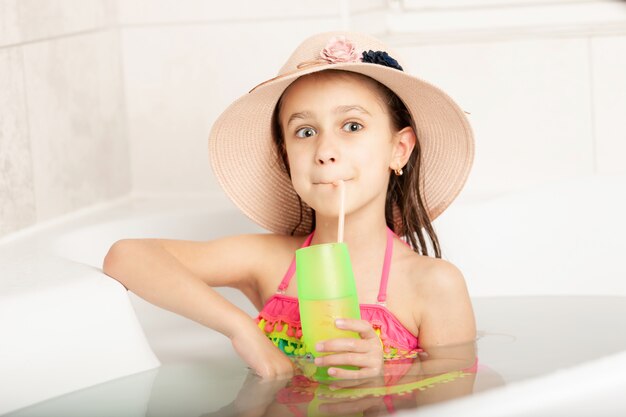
(402, 192)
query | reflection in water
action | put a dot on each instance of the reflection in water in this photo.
(519, 338)
(405, 384)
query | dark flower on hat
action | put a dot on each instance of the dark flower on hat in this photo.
(380, 58)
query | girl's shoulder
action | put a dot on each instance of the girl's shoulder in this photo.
(443, 309)
(422, 270)
(280, 246)
(274, 261)
(430, 275)
(421, 280)
(274, 248)
(424, 292)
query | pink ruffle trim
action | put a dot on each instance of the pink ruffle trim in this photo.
(397, 341)
(392, 332)
(281, 310)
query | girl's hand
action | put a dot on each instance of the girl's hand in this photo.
(374, 406)
(265, 359)
(255, 396)
(366, 353)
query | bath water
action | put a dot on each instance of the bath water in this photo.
(519, 338)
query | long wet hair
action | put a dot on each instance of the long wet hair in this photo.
(403, 194)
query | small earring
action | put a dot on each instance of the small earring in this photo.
(398, 171)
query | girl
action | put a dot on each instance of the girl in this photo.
(341, 109)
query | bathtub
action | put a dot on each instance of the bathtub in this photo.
(543, 266)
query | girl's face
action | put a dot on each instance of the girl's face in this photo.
(337, 127)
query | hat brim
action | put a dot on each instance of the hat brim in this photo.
(245, 163)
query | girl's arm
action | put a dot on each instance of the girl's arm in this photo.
(447, 328)
(178, 275)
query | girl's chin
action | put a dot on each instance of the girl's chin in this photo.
(325, 211)
(326, 215)
(323, 201)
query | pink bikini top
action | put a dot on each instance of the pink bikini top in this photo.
(280, 316)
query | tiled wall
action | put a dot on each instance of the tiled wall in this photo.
(63, 134)
(100, 98)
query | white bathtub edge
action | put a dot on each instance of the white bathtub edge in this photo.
(578, 394)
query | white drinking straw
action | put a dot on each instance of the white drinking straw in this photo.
(342, 198)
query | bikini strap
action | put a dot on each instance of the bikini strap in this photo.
(285, 282)
(382, 291)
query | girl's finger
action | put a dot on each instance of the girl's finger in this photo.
(345, 345)
(362, 373)
(342, 384)
(350, 358)
(364, 328)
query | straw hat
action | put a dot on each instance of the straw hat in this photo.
(243, 155)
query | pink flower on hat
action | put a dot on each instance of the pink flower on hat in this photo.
(339, 49)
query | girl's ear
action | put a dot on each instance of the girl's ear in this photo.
(404, 142)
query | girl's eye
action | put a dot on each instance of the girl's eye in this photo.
(305, 132)
(352, 127)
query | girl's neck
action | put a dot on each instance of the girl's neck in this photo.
(365, 237)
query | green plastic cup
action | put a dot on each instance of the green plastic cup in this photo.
(326, 292)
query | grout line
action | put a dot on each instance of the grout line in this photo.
(226, 21)
(491, 6)
(31, 146)
(344, 14)
(502, 35)
(370, 10)
(229, 21)
(124, 91)
(410, 38)
(592, 104)
(57, 37)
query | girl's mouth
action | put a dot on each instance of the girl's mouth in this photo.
(334, 182)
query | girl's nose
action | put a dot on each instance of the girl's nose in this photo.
(326, 150)
(326, 160)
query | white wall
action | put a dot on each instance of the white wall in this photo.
(102, 98)
(543, 80)
(186, 61)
